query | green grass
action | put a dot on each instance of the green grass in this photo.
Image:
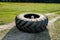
(57, 30)
(3, 33)
(8, 11)
(54, 30)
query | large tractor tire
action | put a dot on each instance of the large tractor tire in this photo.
(31, 22)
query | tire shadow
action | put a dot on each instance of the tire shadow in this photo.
(15, 34)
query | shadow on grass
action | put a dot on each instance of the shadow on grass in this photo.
(15, 34)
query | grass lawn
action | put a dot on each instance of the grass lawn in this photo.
(3, 33)
(8, 11)
(55, 32)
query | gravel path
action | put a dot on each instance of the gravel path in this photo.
(7, 26)
(50, 23)
(53, 20)
(49, 14)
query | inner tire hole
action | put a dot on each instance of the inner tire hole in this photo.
(31, 16)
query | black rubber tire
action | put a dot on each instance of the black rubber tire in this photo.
(28, 25)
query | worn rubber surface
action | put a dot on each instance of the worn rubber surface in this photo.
(31, 25)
